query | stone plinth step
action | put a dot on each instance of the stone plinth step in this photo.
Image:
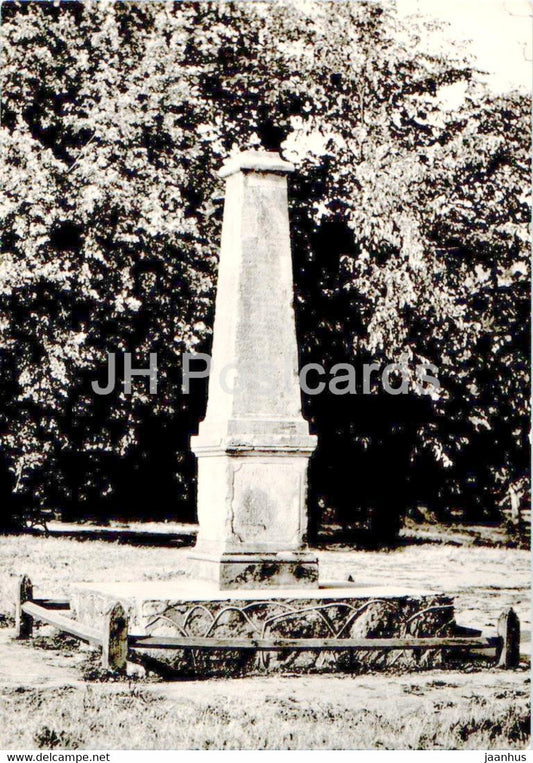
(194, 609)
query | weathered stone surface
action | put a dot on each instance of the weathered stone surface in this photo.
(333, 613)
(253, 446)
(289, 570)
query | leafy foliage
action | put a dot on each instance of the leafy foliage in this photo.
(409, 224)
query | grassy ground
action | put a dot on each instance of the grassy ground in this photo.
(484, 580)
(45, 702)
(141, 717)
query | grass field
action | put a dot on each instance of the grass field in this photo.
(139, 717)
(46, 703)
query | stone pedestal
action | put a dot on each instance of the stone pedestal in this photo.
(253, 446)
(198, 609)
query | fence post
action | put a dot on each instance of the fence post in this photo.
(23, 622)
(509, 633)
(115, 639)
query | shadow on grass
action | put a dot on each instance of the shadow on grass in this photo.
(132, 537)
(332, 537)
(361, 539)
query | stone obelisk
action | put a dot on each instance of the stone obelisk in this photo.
(253, 446)
(253, 449)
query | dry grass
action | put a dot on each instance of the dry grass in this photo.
(137, 719)
(54, 563)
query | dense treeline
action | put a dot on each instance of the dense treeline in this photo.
(409, 222)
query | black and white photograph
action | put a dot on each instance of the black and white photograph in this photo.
(265, 377)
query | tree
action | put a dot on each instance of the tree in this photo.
(115, 120)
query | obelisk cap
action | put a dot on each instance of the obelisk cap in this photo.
(255, 161)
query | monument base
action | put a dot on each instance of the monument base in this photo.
(252, 571)
(197, 609)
